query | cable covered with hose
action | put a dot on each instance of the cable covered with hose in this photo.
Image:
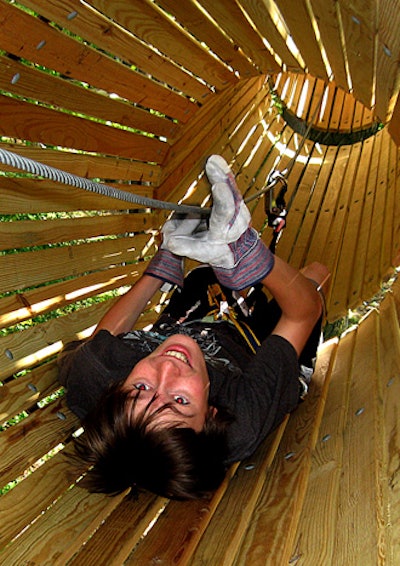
(31, 166)
(34, 167)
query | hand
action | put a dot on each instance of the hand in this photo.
(239, 258)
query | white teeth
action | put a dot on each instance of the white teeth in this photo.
(179, 355)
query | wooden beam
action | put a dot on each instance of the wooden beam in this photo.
(24, 196)
(359, 29)
(67, 260)
(394, 125)
(29, 82)
(34, 123)
(22, 34)
(329, 27)
(301, 30)
(192, 18)
(342, 293)
(231, 19)
(107, 168)
(387, 68)
(30, 233)
(268, 29)
(148, 22)
(366, 225)
(83, 20)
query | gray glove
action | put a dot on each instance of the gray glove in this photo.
(238, 257)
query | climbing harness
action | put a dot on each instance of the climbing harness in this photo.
(220, 309)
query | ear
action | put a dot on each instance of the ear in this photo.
(212, 411)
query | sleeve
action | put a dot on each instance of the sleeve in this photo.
(263, 396)
(88, 368)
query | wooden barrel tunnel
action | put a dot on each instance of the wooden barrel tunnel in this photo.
(136, 94)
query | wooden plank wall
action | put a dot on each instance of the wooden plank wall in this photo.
(139, 103)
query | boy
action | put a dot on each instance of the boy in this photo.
(169, 410)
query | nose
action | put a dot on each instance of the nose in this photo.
(167, 368)
(168, 371)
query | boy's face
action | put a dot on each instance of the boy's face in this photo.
(174, 373)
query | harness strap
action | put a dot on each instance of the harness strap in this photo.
(221, 310)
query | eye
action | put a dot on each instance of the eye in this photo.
(180, 400)
(141, 386)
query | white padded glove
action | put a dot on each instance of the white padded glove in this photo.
(239, 258)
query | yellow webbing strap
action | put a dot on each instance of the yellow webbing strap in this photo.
(221, 310)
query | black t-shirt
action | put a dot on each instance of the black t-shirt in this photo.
(258, 389)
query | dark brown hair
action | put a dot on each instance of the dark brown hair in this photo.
(124, 451)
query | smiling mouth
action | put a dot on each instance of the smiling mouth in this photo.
(178, 355)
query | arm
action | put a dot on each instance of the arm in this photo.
(124, 313)
(298, 299)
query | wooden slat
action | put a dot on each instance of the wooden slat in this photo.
(270, 534)
(324, 116)
(187, 520)
(192, 18)
(32, 496)
(34, 123)
(293, 90)
(359, 28)
(386, 68)
(111, 38)
(78, 61)
(120, 532)
(148, 22)
(391, 219)
(268, 154)
(24, 195)
(254, 167)
(305, 97)
(394, 126)
(19, 307)
(346, 119)
(240, 135)
(305, 209)
(368, 117)
(62, 530)
(190, 151)
(35, 345)
(329, 28)
(32, 346)
(365, 226)
(18, 395)
(27, 233)
(21, 271)
(389, 370)
(360, 526)
(23, 444)
(328, 206)
(334, 243)
(336, 110)
(232, 20)
(315, 105)
(90, 166)
(266, 27)
(222, 538)
(358, 115)
(301, 30)
(351, 254)
(304, 199)
(32, 83)
(316, 539)
(375, 253)
(396, 211)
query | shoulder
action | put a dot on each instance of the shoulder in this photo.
(267, 391)
(88, 368)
